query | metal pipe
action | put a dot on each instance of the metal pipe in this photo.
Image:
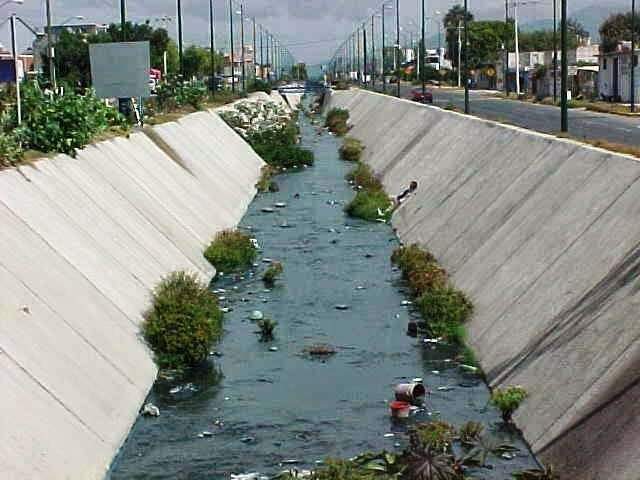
(180, 44)
(233, 73)
(14, 48)
(466, 59)
(398, 46)
(242, 57)
(633, 55)
(212, 85)
(564, 113)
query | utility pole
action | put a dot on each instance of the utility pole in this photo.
(180, 45)
(123, 103)
(14, 48)
(564, 113)
(384, 75)
(466, 59)
(555, 52)
(397, 49)
(633, 55)
(51, 48)
(212, 81)
(233, 73)
(422, 54)
(364, 49)
(244, 63)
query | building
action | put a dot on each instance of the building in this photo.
(614, 81)
(7, 65)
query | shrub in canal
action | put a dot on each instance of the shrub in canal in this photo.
(445, 309)
(437, 434)
(351, 149)
(419, 268)
(183, 321)
(363, 176)
(507, 400)
(266, 183)
(267, 329)
(337, 121)
(370, 205)
(277, 145)
(231, 251)
(272, 273)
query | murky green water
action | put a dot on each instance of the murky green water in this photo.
(266, 408)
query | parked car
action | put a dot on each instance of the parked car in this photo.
(418, 96)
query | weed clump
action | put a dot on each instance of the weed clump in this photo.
(267, 329)
(370, 205)
(446, 309)
(266, 182)
(231, 251)
(272, 273)
(507, 400)
(351, 150)
(362, 176)
(419, 268)
(470, 432)
(438, 435)
(337, 121)
(183, 321)
(277, 145)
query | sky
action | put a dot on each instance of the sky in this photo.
(312, 29)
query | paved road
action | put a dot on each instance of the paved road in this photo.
(543, 118)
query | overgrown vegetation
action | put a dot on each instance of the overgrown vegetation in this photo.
(267, 329)
(272, 273)
(371, 202)
(470, 432)
(231, 251)
(437, 434)
(444, 308)
(259, 85)
(336, 121)
(266, 183)
(351, 149)
(184, 320)
(507, 400)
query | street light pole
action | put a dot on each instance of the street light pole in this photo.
(14, 48)
(255, 51)
(506, 48)
(397, 49)
(384, 75)
(51, 48)
(233, 73)
(180, 45)
(422, 54)
(212, 85)
(515, 13)
(373, 53)
(364, 49)
(633, 55)
(244, 66)
(359, 75)
(261, 54)
(564, 113)
(555, 52)
(466, 60)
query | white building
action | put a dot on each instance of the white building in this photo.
(614, 80)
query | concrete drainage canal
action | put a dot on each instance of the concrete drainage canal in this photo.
(269, 406)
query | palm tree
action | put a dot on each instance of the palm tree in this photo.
(451, 20)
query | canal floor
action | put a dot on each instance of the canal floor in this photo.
(264, 409)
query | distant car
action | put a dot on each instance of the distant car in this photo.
(418, 96)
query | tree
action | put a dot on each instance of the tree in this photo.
(486, 39)
(299, 71)
(617, 28)
(197, 62)
(453, 18)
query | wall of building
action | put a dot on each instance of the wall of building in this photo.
(84, 242)
(542, 233)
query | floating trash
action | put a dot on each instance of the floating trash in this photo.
(268, 210)
(280, 205)
(256, 316)
(342, 307)
(150, 410)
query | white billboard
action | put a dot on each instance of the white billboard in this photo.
(120, 70)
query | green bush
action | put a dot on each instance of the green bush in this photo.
(260, 86)
(351, 150)
(337, 121)
(445, 309)
(267, 329)
(183, 321)
(419, 268)
(272, 273)
(11, 153)
(63, 123)
(231, 251)
(437, 434)
(507, 400)
(369, 204)
(192, 95)
(278, 146)
(362, 176)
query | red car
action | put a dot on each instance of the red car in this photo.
(418, 96)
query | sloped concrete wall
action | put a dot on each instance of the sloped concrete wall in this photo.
(84, 241)
(544, 235)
